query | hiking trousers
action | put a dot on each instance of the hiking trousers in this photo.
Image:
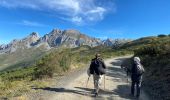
(97, 82)
(138, 87)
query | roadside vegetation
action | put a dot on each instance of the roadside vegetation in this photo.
(21, 80)
(155, 56)
(21, 58)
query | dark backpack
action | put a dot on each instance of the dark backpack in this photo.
(97, 67)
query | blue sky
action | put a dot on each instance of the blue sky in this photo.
(97, 18)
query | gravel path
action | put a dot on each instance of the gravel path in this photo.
(73, 86)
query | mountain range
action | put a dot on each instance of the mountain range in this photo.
(57, 38)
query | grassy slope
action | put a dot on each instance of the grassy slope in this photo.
(155, 55)
(21, 58)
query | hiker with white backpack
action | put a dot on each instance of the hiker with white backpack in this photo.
(136, 76)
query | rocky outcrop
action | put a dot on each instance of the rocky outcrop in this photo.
(114, 42)
(20, 44)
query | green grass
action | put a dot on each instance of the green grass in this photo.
(20, 58)
(16, 82)
(61, 61)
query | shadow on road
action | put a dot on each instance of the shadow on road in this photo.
(120, 91)
(81, 91)
(64, 90)
(119, 75)
(116, 73)
(88, 92)
(101, 91)
(118, 61)
(123, 91)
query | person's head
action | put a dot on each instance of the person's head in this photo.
(136, 59)
(97, 55)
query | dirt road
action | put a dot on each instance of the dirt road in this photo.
(73, 86)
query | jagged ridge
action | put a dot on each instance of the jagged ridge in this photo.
(57, 38)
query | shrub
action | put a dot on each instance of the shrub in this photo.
(18, 74)
(155, 58)
(162, 35)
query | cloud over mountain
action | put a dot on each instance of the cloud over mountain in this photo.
(76, 11)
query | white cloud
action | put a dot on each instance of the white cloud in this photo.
(19, 4)
(95, 14)
(31, 23)
(77, 19)
(77, 11)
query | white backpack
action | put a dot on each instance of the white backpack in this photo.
(140, 69)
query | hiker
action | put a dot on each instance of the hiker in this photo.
(136, 76)
(97, 68)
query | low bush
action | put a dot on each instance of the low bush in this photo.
(162, 35)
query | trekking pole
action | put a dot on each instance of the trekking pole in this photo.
(87, 81)
(127, 73)
(104, 81)
(86, 84)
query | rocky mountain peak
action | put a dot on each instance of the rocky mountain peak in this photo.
(109, 39)
(55, 32)
(34, 34)
(32, 38)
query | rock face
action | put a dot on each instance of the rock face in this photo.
(56, 38)
(68, 38)
(114, 42)
(20, 44)
(108, 42)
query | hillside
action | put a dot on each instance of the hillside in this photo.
(155, 56)
(142, 42)
(24, 52)
(21, 58)
(55, 64)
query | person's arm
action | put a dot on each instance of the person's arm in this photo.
(91, 67)
(133, 69)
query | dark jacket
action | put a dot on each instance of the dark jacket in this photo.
(97, 66)
(134, 76)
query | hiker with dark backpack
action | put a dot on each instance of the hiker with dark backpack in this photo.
(136, 76)
(97, 68)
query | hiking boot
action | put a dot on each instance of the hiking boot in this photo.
(132, 95)
(96, 94)
(137, 96)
